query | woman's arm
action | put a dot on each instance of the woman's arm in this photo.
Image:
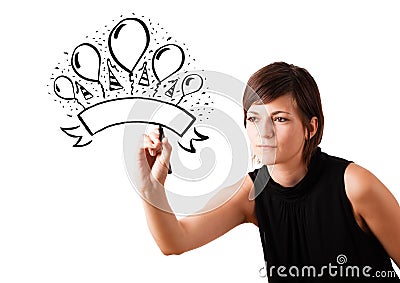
(175, 236)
(374, 203)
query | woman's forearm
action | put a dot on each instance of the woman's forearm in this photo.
(166, 229)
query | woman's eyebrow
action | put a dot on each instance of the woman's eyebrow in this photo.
(272, 114)
(253, 112)
(279, 112)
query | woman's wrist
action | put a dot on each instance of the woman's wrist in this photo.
(153, 188)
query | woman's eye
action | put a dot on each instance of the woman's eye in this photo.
(251, 119)
(280, 119)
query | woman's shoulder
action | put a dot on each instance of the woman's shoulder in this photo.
(375, 205)
(359, 181)
(359, 186)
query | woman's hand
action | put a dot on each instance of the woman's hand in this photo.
(153, 159)
(175, 236)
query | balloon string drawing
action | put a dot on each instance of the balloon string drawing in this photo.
(135, 64)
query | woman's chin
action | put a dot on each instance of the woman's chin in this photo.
(268, 161)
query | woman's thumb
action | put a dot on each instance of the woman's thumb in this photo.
(166, 150)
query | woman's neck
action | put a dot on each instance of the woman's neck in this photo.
(290, 173)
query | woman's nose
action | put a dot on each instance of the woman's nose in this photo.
(266, 129)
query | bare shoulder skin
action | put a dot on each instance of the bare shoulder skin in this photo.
(375, 208)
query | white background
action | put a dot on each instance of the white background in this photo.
(71, 215)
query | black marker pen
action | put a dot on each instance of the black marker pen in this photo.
(161, 130)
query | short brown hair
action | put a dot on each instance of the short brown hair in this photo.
(280, 78)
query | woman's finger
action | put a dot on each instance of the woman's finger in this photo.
(147, 142)
(166, 149)
(155, 137)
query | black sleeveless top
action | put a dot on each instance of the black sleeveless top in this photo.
(309, 233)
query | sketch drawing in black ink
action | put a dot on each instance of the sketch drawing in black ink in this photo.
(170, 91)
(192, 149)
(85, 93)
(85, 61)
(138, 62)
(116, 112)
(113, 81)
(70, 132)
(191, 84)
(127, 42)
(64, 89)
(144, 78)
(167, 60)
(132, 72)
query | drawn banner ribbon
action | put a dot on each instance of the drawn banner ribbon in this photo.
(129, 110)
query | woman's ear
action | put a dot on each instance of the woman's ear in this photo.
(313, 127)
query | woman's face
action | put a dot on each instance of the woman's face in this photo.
(276, 132)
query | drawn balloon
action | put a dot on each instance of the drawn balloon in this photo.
(64, 89)
(128, 41)
(86, 62)
(167, 60)
(190, 84)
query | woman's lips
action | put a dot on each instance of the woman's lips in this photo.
(265, 146)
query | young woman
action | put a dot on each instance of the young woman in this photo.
(320, 217)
